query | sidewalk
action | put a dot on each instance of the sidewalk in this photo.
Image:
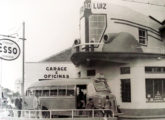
(155, 117)
(57, 119)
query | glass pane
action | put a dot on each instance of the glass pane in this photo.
(82, 30)
(70, 92)
(142, 40)
(155, 91)
(149, 88)
(100, 18)
(97, 25)
(157, 87)
(53, 92)
(163, 88)
(62, 92)
(38, 92)
(91, 72)
(126, 90)
(29, 92)
(125, 70)
(142, 36)
(45, 92)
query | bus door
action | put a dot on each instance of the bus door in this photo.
(81, 93)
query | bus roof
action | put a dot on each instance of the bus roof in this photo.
(60, 82)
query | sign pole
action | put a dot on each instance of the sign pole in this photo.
(1, 84)
(23, 62)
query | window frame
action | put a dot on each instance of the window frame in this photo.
(96, 34)
(152, 95)
(154, 69)
(126, 71)
(93, 74)
(145, 37)
(126, 91)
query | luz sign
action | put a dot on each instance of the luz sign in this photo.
(102, 6)
(9, 50)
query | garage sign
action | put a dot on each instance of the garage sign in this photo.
(9, 50)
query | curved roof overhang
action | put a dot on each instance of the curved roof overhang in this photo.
(117, 57)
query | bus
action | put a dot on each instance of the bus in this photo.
(67, 94)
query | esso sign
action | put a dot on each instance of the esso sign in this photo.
(9, 50)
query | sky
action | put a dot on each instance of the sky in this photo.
(50, 27)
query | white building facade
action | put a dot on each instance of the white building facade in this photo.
(127, 47)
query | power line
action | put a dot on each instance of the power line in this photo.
(9, 36)
(145, 3)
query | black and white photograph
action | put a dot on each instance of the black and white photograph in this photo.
(82, 59)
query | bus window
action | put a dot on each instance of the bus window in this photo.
(45, 92)
(33, 92)
(38, 92)
(28, 93)
(62, 92)
(70, 92)
(53, 92)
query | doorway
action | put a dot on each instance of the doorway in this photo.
(81, 93)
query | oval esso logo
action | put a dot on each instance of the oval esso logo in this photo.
(9, 50)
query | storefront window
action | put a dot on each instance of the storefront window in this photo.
(155, 90)
(126, 90)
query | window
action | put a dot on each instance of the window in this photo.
(45, 92)
(162, 31)
(82, 30)
(70, 92)
(125, 70)
(155, 90)
(91, 72)
(29, 92)
(125, 90)
(38, 92)
(154, 69)
(62, 92)
(97, 26)
(143, 36)
(79, 74)
(53, 92)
